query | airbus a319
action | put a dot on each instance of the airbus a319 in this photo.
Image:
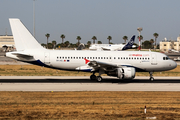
(121, 64)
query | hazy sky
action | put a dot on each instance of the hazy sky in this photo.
(88, 18)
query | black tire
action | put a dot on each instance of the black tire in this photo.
(99, 79)
(151, 79)
(93, 77)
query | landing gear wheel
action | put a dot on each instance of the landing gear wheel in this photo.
(151, 76)
(99, 78)
(151, 79)
(93, 77)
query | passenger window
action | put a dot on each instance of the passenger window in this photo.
(57, 57)
(114, 57)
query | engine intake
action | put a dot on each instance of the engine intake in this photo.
(123, 73)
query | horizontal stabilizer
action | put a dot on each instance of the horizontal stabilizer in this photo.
(23, 56)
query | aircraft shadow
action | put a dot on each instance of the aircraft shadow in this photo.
(88, 81)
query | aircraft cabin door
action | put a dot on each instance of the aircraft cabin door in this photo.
(47, 58)
(153, 59)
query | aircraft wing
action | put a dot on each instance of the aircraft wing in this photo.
(105, 48)
(96, 65)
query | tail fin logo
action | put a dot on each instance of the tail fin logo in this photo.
(130, 43)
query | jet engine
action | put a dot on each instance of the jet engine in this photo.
(123, 73)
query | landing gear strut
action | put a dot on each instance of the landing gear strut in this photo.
(151, 76)
(98, 78)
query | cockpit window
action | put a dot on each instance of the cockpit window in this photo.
(165, 58)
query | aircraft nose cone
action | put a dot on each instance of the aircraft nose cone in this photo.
(173, 64)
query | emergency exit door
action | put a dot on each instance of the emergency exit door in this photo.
(153, 59)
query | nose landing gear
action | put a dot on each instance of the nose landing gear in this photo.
(151, 76)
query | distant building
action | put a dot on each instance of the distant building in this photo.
(167, 45)
(7, 42)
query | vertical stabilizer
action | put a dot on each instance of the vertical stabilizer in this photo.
(129, 44)
(22, 37)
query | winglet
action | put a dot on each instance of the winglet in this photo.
(129, 44)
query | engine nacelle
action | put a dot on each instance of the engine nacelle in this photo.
(123, 73)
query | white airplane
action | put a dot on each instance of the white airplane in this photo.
(172, 50)
(121, 64)
(114, 47)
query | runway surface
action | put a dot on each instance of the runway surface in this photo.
(60, 83)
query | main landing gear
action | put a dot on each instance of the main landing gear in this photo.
(97, 78)
(151, 76)
(93, 77)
